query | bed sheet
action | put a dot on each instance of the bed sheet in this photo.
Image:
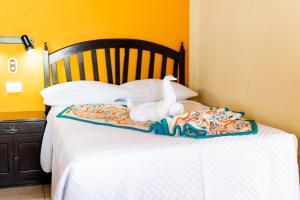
(100, 162)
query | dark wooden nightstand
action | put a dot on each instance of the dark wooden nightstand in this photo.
(21, 137)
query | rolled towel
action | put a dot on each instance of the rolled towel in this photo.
(144, 111)
(176, 109)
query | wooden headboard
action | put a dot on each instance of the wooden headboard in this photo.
(120, 75)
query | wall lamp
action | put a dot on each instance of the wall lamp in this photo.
(24, 39)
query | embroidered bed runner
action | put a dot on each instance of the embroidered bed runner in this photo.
(210, 122)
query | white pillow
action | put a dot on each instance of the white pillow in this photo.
(82, 92)
(151, 90)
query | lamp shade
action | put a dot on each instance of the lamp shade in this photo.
(27, 43)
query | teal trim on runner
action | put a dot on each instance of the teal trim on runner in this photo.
(162, 128)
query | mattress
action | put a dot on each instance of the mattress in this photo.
(101, 162)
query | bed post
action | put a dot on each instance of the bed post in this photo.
(182, 64)
(46, 66)
(46, 71)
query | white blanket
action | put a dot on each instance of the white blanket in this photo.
(92, 162)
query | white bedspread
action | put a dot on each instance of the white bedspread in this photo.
(92, 162)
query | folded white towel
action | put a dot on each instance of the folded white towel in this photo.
(155, 111)
(176, 109)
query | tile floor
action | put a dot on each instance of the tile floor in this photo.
(36, 192)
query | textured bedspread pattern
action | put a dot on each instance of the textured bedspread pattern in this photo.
(210, 122)
(102, 162)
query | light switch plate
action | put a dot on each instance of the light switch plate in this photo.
(14, 87)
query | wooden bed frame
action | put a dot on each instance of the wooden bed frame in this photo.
(51, 59)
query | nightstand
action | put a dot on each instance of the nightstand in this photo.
(21, 135)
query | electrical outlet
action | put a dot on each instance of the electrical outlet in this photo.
(14, 87)
(12, 65)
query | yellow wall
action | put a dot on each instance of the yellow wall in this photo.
(63, 22)
(246, 55)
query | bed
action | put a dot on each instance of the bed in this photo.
(100, 162)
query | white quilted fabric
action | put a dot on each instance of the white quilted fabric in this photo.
(92, 162)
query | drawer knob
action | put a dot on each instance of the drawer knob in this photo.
(11, 130)
(16, 157)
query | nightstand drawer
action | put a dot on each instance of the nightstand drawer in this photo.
(21, 136)
(22, 127)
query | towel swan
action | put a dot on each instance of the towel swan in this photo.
(155, 111)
